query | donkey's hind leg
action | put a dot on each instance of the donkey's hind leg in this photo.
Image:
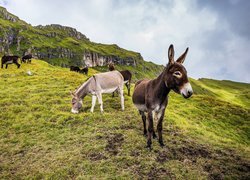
(143, 116)
(120, 91)
(18, 65)
(128, 85)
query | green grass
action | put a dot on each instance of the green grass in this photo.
(206, 136)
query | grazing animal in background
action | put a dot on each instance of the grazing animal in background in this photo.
(106, 82)
(74, 68)
(27, 58)
(111, 66)
(127, 75)
(151, 96)
(84, 70)
(9, 60)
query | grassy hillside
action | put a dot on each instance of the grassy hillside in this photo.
(143, 70)
(206, 136)
(58, 45)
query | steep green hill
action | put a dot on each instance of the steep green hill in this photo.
(58, 45)
(206, 136)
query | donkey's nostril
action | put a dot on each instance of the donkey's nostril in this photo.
(190, 93)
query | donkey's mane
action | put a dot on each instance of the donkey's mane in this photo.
(81, 88)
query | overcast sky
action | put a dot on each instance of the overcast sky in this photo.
(216, 31)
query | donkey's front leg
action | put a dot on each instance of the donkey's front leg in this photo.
(144, 122)
(159, 126)
(150, 129)
(99, 96)
(93, 103)
(18, 65)
(122, 101)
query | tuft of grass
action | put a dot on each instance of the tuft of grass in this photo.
(206, 136)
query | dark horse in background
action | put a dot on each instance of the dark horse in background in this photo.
(151, 96)
(10, 60)
(127, 75)
(27, 58)
(127, 79)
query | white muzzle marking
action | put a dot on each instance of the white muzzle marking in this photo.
(186, 90)
(74, 111)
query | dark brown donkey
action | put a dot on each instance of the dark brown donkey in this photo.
(151, 96)
(111, 66)
(9, 60)
(127, 75)
(127, 79)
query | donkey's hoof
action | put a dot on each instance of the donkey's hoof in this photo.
(161, 144)
(154, 136)
(149, 147)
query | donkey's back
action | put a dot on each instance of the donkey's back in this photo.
(108, 82)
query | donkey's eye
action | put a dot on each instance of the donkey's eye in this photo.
(177, 74)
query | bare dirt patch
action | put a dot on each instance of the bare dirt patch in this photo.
(183, 150)
(156, 173)
(219, 164)
(114, 142)
(96, 156)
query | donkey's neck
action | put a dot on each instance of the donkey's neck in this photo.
(160, 89)
(83, 90)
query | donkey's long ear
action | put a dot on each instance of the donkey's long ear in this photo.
(171, 54)
(181, 59)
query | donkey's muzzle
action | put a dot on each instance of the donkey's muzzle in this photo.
(74, 111)
(186, 91)
(189, 94)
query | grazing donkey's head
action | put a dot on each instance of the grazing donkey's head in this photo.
(176, 75)
(76, 103)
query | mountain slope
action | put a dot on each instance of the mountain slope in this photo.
(206, 136)
(58, 45)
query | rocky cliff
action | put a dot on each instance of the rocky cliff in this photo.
(57, 44)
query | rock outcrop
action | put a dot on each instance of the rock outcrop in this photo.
(57, 44)
(71, 32)
(8, 16)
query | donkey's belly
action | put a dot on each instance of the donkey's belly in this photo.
(139, 96)
(141, 107)
(110, 90)
(9, 62)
